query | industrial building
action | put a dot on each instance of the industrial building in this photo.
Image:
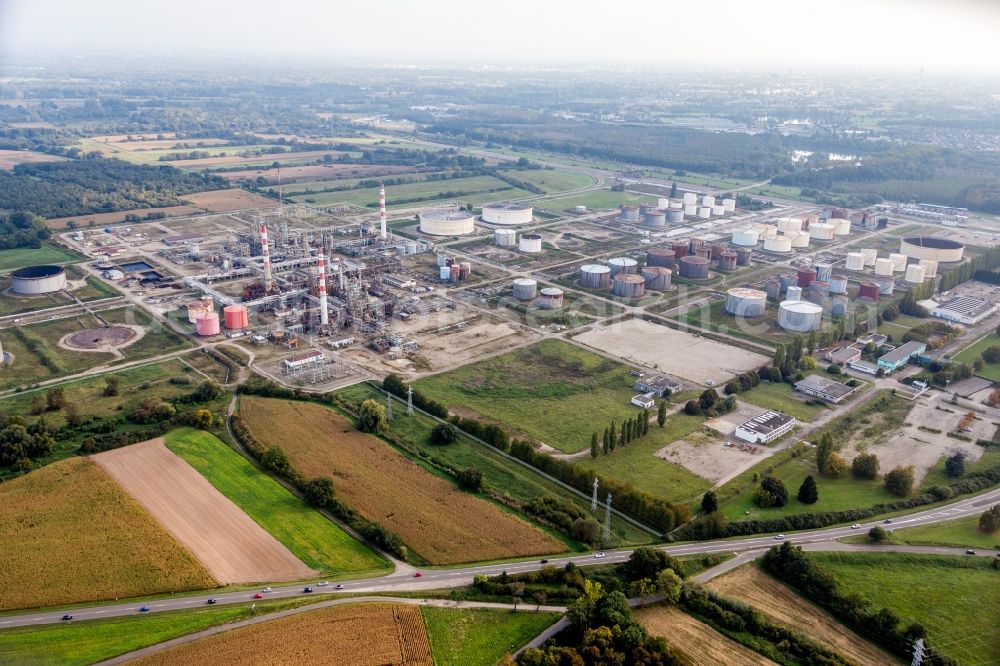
(844, 355)
(657, 385)
(507, 213)
(765, 428)
(297, 361)
(900, 356)
(643, 401)
(824, 388)
(964, 310)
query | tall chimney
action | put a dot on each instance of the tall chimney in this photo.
(264, 250)
(323, 316)
(381, 209)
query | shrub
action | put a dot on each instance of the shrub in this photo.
(878, 535)
(772, 492)
(444, 433)
(865, 466)
(470, 479)
(808, 493)
(899, 481)
(371, 417)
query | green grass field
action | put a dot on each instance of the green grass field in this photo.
(553, 180)
(596, 200)
(475, 188)
(553, 391)
(937, 474)
(480, 636)
(973, 351)
(956, 598)
(963, 532)
(778, 396)
(25, 256)
(315, 540)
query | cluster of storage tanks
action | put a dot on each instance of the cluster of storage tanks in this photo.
(885, 268)
(203, 315)
(549, 298)
(508, 238)
(450, 270)
(783, 234)
(664, 211)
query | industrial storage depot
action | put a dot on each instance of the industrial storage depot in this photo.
(38, 280)
(447, 222)
(507, 213)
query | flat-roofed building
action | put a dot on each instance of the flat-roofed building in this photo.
(964, 309)
(658, 385)
(297, 361)
(900, 356)
(765, 428)
(824, 388)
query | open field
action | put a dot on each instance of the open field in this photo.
(170, 145)
(955, 598)
(480, 636)
(684, 355)
(429, 513)
(963, 532)
(225, 540)
(310, 536)
(782, 397)
(26, 256)
(478, 188)
(699, 642)
(71, 534)
(10, 158)
(552, 391)
(233, 158)
(218, 201)
(553, 180)
(973, 351)
(298, 178)
(354, 635)
(754, 587)
(597, 200)
(102, 219)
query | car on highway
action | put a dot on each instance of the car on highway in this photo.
(267, 589)
(543, 561)
(339, 587)
(258, 596)
(417, 574)
(144, 609)
(67, 617)
(598, 555)
(322, 583)
(779, 536)
(856, 526)
(887, 521)
(307, 589)
(970, 552)
(212, 601)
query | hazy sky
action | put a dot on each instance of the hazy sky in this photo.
(939, 35)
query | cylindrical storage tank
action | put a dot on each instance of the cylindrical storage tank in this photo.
(868, 290)
(691, 211)
(675, 215)
(451, 221)
(838, 306)
(788, 224)
(800, 239)
(629, 286)
(677, 205)
(884, 266)
(195, 309)
(680, 250)
(695, 268)
(595, 276)
(824, 272)
(786, 281)
(743, 256)
(885, 285)
(660, 256)
(793, 293)
(466, 269)
(695, 243)
(915, 273)
(579, 210)
(505, 237)
(746, 237)
(690, 199)
(236, 317)
(746, 302)
(716, 251)
(531, 243)
(871, 254)
(645, 207)
(704, 252)
(628, 213)
(38, 279)
(525, 289)
(663, 203)
(780, 244)
(930, 267)
(818, 291)
(550, 298)
(507, 212)
(657, 278)
(773, 289)
(655, 218)
(821, 231)
(718, 210)
(809, 219)
(838, 284)
(727, 262)
(805, 277)
(411, 247)
(799, 316)
(708, 200)
(769, 231)
(622, 265)
(898, 262)
(841, 226)
(456, 273)
(442, 259)
(855, 261)
(444, 272)
(208, 323)
(729, 205)
(704, 212)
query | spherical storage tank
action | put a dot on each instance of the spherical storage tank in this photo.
(595, 276)
(236, 317)
(744, 302)
(695, 268)
(622, 265)
(38, 279)
(507, 212)
(531, 243)
(884, 266)
(208, 324)
(525, 289)
(628, 213)
(628, 286)
(821, 231)
(655, 218)
(780, 244)
(941, 250)
(868, 290)
(799, 316)
(915, 273)
(550, 298)
(505, 237)
(855, 261)
(450, 221)
(746, 237)
(660, 256)
(657, 277)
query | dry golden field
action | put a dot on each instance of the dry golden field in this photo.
(72, 534)
(355, 635)
(430, 514)
(218, 201)
(700, 643)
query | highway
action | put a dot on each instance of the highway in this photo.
(403, 580)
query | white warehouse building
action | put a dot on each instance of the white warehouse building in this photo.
(765, 428)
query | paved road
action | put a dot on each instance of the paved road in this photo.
(461, 576)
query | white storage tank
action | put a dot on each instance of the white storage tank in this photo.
(747, 237)
(447, 221)
(746, 302)
(691, 210)
(690, 199)
(531, 243)
(800, 240)
(930, 267)
(786, 224)
(675, 215)
(769, 231)
(779, 244)
(525, 289)
(821, 231)
(708, 200)
(915, 273)
(38, 279)
(729, 205)
(841, 226)
(799, 316)
(704, 212)
(579, 210)
(838, 284)
(622, 265)
(885, 285)
(663, 203)
(655, 218)
(595, 276)
(550, 298)
(628, 213)
(505, 237)
(898, 262)
(884, 266)
(871, 254)
(444, 272)
(793, 293)
(718, 210)
(855, 261)
(507, 212)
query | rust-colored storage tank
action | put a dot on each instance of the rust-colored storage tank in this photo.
(628, 285)
(727, 261)
(208, 324)
(705, 252)
(680, 250)
(657, 277)
(696, 243)
(716, 251)
(236, 317)
(743, 255)
(695, 268)
(660, 256)
(805, 277)
(868, 290)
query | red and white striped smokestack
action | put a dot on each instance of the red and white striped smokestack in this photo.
(323, 316)
(381, 210)
(264, 250)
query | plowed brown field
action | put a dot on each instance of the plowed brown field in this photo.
(219, 201)
(752, 586)
(441, 523)
(227, 541)
(356, 635)
(700, 643)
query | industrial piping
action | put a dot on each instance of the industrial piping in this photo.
(268, 281)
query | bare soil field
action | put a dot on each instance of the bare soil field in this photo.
(356, 635)
(710, 458)
(218, 201)
(225, 540)
(684, 355)
(430, 514)
(209, 162)
(10, 158)
(752, 586)
(101, 219)
(295, 174)
(700, 643)
(71, 534)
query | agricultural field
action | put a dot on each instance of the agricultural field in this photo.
(973, 351)
(553, 180)
(11, 260)
(477, 188)
(596, 200)
(962, 533)
(782, 605)
(699, 642)
(72, 534)
(310, 536)
(554, 392)
(429, 513)
(480, 636)
(11, 158)
(352, 635)
(102, 219)
(218, 201)
(955, 598)
(500, 474)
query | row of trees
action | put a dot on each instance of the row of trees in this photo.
(631, 430)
